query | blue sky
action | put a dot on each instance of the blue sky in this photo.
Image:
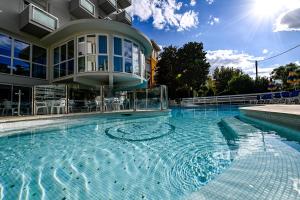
(234, 32)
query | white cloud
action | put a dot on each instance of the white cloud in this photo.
(236, 59)
(210, 1)
(166, 14)
(213, 20)
(265, 51)
(193, 2)
(288, 21)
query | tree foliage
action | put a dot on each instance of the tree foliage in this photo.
(241, 84)
(183, 70)
(222, 76)
(282, 73)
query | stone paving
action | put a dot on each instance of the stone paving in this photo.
(265, 168)
(287, 115)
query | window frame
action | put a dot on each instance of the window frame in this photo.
(12, 57)
(96, 54)
(66, 61)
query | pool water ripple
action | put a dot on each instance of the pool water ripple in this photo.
(164, 157)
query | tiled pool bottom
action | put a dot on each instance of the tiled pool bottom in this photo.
(168, 157)
(271, 171)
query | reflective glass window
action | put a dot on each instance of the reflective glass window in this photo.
(56, 71)
(128, 56)
(21, 68)
(118, 64)
(63, 52)
(70, 67)
(39, 71)
(39, 55)
(5, 65)
(22, 50)
(56, 55)
(81, 64)
(70, 49)
(5, 45)
(62, 69)
(117, 46)
(102, 63)
(103, 44)
(135, 58)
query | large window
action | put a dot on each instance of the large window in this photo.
(5, 54)
(103, 54)
(23, 58)
(63, 59)
(118, 55)
(136, 63)
(92, 53)
(128, 56)
(39, 62)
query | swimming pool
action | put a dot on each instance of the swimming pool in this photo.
(160, 157)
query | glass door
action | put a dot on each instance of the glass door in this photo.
(22, 100)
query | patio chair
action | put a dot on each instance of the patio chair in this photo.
(58, 106)
(267, 98)
(294, 97)
(116, 104)
(277, 97)
(8, 108)
(41, 105)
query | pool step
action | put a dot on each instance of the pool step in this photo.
(238, 127)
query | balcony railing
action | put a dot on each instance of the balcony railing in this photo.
(124, 17)
(124, 3)
(82, 8)
(36, 21)
(108, 6)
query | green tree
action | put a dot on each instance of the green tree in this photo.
(166, 69)
(193, 66)
(222, 76)
(241, 84)
(282, 73)
(261, 85)
(183, 70)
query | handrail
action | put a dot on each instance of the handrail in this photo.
(244, 98)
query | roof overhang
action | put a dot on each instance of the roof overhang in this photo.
(98, 25)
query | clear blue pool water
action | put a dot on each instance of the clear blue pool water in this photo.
(162, 157)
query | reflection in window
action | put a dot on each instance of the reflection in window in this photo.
(64, 60)
(62, 69)
(117, 46)
(102, 44)
(91, 44)
(81, 46)
(102, 63)
(135, 57)
(70, 50)
(70, 67)
(63, 52)
(56, 55)
(39, 71)
(21, 68)
(128, 56)
(39, 55)
(81, 64)
(5, 45)
(5, 65)
(118, 55)
(22, 50)
(91, 63)
(56, 72)
(118, 64)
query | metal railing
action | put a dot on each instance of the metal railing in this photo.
(235, 99)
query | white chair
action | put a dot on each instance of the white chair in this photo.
(58, 106)
(8, 107)
(41, 105)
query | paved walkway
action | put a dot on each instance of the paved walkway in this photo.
(266, 168)
(287, 115)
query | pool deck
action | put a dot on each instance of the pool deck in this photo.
(12, 125)
(271, 171)
(287, 115)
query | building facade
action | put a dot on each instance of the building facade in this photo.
(153, 60)
(86, 42)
